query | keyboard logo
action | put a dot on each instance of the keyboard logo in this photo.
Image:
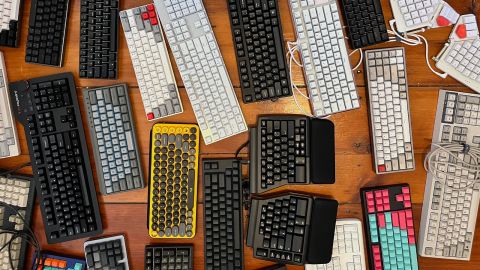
(16, 98)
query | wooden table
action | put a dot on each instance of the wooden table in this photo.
(126, 213)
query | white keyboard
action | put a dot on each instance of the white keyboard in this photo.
(151, 62)
(414, 14)
(201, 66)
(348, 249)
(8, 11)
(324, 55)
(450, 205)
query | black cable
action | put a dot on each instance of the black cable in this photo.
(241, 147)
(15, 169)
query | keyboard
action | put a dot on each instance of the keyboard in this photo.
(284, 150)
(258, 38)
(98, 39)
(11, 14)
(46, 34)
(112, 133)
(452, 196)
(53, 262)
(414, 14)
(389, 227)
(389, 110)
(365, 21)
(324, 54)
(201, 66)
(16, 194)
(169, 257)
(51, 117)
(292, 229)
(151, 62)
(173, 180)
(9, 145)
(348, 249)
(223, 211)
(106, 253)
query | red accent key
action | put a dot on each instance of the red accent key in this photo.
(442, 21)
(462, 31)
(145, 16)
(151, 14)
(381, 220)
(381, 168)
(153, 21)
(150, 116)
(150, 7)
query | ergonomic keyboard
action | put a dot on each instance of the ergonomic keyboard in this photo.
(9, 145)
(17, 197)
(112, 132)
(151, 62)
(106, 253)
(324, 54)
(223, 211)
(258, 38)
(48, 109)
(414, 14)
(452, 195)
(387, 212)
(365, 21)
(11, 14)
(292, 229)
(173, 180)
(98, 39)
(284, 149)
(46, 32)
(389, 110)
(169, 257)
(53, 262)
(201, 66)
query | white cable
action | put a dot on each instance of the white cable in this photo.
(441, 75)
(361, 57)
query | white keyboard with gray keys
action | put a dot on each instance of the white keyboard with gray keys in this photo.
(414, 14)
(201, 66)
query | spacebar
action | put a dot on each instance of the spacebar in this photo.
(237, 229)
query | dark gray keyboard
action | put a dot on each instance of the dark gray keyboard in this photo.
(106, 253)
(169, 257)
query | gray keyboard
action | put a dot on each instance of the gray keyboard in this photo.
(113, 137)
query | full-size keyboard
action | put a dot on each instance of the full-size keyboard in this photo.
(201, 66)
(11, 15)
(414, 14)
(108, 253)
(169, 257)
(151, 62)
(48, 109)
(389, 110)
(54, 262)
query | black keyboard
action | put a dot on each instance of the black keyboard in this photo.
(106, 253)
(258, 38)
(223, 214)
(169, 257)
(292, 229)
(365, 22)
(98, 39)
(11, 16)
(48, 109)
(46, 32)
(291, 150)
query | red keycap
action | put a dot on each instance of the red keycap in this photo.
(399, 198)
(386, 207)
(403, 221)
(151, 14)
(145, 16)
(408, 214)
(385, 193)
(442, 21)
(369, 195)
(405, 190)
(406, 197)
(381, 220)
(407, 204)
(378, 194)
(150, 116)
(395, 222)
(462, 31)
(150, 7)
(153, 21)
(381, 168)
(411, 240)
(379, 208)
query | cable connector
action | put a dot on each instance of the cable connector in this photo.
(466, 148)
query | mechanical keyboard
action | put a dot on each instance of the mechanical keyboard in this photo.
(53, 262)
(284, 150)
(46, 34)
(326, 66)
(258, 38)
(11, 14)
(452, 194)
(389, 110)
(223, 211)
(387, 212)
(51, 117)
(414, 14)
(112, 132)
(151, 62)
(169, 257)
(292, 229)
(173, 180)
(98, 39)
(201, 66)
(106, 253)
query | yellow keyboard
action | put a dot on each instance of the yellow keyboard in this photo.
(172, 210)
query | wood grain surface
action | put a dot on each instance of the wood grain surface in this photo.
(126, 213)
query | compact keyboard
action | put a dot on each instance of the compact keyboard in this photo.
(414, 14)
(112, 132)
(48, 109)
(258, 38)
(169, 257)
(388, 216)
(106, 253)
(173, 180)
(223, 202)
(326, 66)
(46, 32)
(53, 262)
(151, 62)
(284, 150)
(452, 195)
(11, 14)
(201, 66)
(389, 110)
(98, 39)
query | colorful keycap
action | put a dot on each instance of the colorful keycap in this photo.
(52, 262)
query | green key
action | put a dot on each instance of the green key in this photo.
(78, 266)
(413, 257)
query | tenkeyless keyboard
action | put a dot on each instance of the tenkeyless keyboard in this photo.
(151, 62)
(98, 39)
(106, 253)
(258, 38)
(48, 109)
(223, 202)
(112, 132)
(414, 14)
(169, 257)
(54, 262)
(389, 110)
(11, 15)
(201, 66)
